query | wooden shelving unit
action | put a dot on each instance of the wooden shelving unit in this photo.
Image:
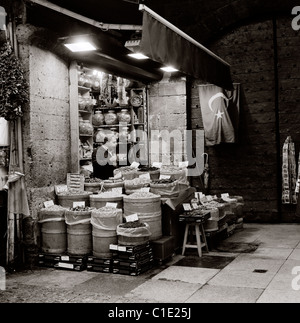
(138, 113)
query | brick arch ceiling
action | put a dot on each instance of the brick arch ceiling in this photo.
(207, 20)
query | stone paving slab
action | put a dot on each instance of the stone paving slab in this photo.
(164, 291)
(279, 296)
(187, 274)
(273, 242)
(60, 279)
(295, 255)
(249, 263)
(242, 278)
(224, 294)
(110, 284)
(206, 261)
(274, 253)
(283, 279)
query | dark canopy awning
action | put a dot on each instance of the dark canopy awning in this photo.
(162, 44)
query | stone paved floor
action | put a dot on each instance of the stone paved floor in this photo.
(261, 276)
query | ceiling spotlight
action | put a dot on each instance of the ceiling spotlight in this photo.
(169, 69)
(134, 46)
(138, 56)
(80, 46)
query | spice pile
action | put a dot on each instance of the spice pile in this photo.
(81, 208)
(54, 208)
(93, 180)
(142, 195)
(131, 225)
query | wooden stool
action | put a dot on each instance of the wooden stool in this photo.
(199, 231)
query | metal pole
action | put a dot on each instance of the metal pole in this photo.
(179, 32)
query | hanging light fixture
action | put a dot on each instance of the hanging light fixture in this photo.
(133, 46)
(80, 47)
(79, 43)
(169, 69)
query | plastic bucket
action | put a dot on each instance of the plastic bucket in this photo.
(110, 186)
(168, 190)
(79, 232)
(98, 202)
(148, 211)
(54, 237)
(132, 241)
(133, 236)
(53, 231)
(141, 205)
(92, 187)
(79, 239)
(155, 224)
(67, 200)
(101, 241)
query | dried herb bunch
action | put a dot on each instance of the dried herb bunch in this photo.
(13, 85)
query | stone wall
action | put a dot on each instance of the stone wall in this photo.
(46, 122)
(167, 112)
(264, 58)
(288, 47)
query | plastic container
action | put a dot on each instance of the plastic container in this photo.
(92, 187)
(79, 232)
(67, 200)
(100, 200)
(104, 224)
(148, 209)
(133, 236)
(53, 231)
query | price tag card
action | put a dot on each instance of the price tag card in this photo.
(65, 258)
(145, 189)
(156, 164)
(60, 188)
(48, 203)
(135, 165)
(113, 247)
(145, 176)
(122, 249)
(112, 205)
(183, 164)
(132, 217)
(164, 176)
(78, 204)
(187, 207)
(64, 265)
(118, 190)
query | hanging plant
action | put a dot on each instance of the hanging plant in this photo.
(13, 85)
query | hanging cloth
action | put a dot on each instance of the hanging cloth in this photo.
(220, 112)
(298, 178)
(289, 172)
